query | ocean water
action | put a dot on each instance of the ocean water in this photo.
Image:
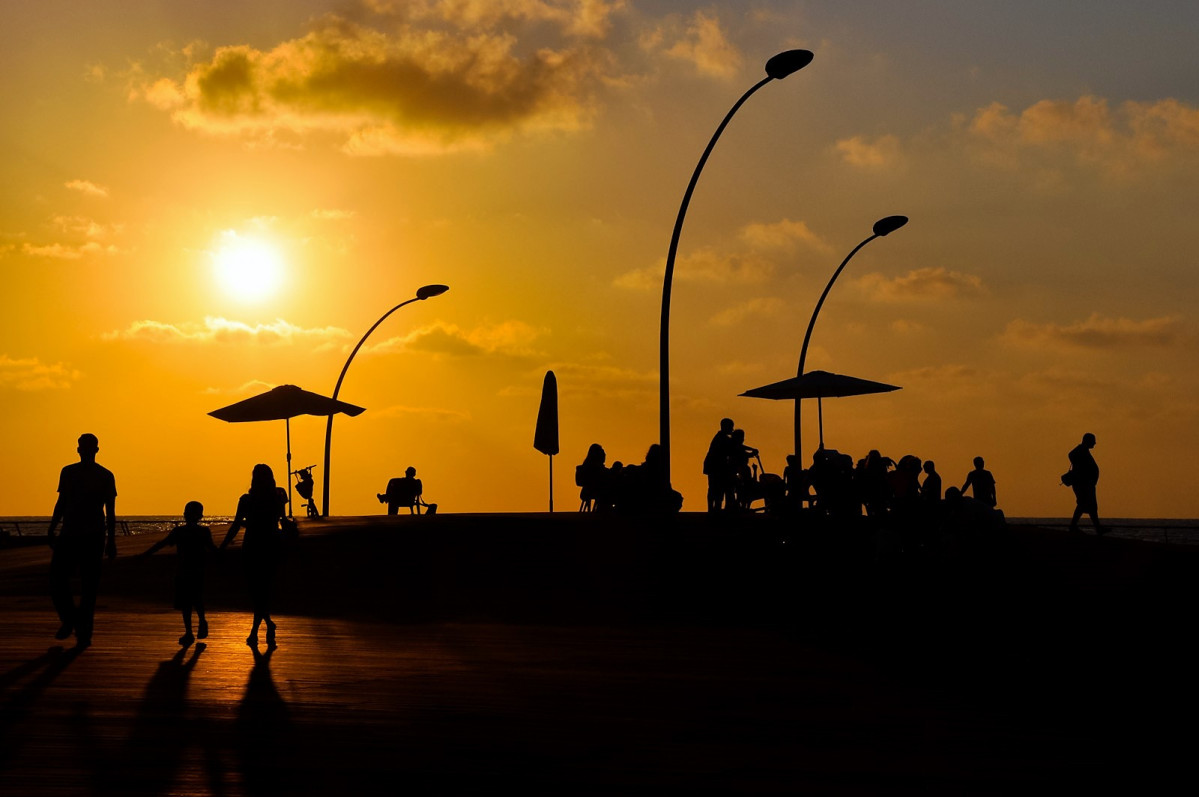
(35, 526)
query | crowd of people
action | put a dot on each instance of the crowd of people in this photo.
(629, 489)
(892, 493)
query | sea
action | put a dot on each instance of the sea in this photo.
(1165, 530)
(131, 525)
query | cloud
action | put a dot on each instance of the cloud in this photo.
(752, 309)
(413, 90)
(783, 234)
(703, 43)
(253, 388)
(951, 382)
(31, 374)
(333, 214)
(87, 187)
(591, 379)
(930, 283)
(512, 338)
(95, 234)
(707, 266)
(585, 18)
(226, 332)
(1089, 131)
(1097, 332)
(881, 153)
(86, 227)
(69, 251)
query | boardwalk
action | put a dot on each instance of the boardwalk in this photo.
(548, 658)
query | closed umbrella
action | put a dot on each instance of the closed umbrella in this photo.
(545, 436)
(819, 385)
(284, 403)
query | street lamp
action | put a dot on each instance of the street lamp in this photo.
(777, 68)
(425, 292)
(882, 227)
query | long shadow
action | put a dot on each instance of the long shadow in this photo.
(266, 733)
(16, 707)
(164, 727)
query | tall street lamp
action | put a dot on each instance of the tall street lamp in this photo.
(882, 227)
(423, 293)
(777, 68)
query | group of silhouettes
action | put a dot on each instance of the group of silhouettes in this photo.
(86, 508)
(905, 494)
(627, 489)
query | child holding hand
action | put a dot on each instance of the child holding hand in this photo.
(193, 543)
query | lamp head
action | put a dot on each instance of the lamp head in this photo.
(783, 64)
(429, 291)
(889, 225)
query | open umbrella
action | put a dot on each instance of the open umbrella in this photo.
(819, 385)
(284, 403)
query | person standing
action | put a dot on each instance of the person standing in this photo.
(259, 511)
(717, 467)
(1084, 476)
(86, 507)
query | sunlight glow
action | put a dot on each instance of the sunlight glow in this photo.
(247, 269)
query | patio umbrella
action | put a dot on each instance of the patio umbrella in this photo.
(284, 403)
(545, 436)
(819, 385)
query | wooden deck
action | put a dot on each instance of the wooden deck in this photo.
(480, 690)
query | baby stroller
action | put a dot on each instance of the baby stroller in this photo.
(304, 485)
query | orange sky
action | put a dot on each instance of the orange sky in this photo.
(531, 154)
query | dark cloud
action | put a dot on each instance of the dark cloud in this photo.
(411, 90)
(1098, 332)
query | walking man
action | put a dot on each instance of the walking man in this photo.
(1084, 473)
(86, 507)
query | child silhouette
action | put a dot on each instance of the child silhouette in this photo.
(192, 542)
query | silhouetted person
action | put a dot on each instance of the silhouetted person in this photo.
(983, 484)
(871, 475)
(404, 491)
(591, 477)
(930, 490)
(1084, 475)
(643, 489)
(193, 543)
(740, 490)
(716, 465)
(86, 507)
(259, 511)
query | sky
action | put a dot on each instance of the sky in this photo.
(204, 200)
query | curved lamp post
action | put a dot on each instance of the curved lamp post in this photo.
(426, 292)
(777, 68)
(882, 227)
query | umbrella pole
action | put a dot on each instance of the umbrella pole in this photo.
(287, 425)
(820, 418)
(551, 483)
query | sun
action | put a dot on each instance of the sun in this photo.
(247, 269)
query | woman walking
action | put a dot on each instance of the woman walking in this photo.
(259, 511)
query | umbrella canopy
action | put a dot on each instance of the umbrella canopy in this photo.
(819, 385)
(283, 403)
